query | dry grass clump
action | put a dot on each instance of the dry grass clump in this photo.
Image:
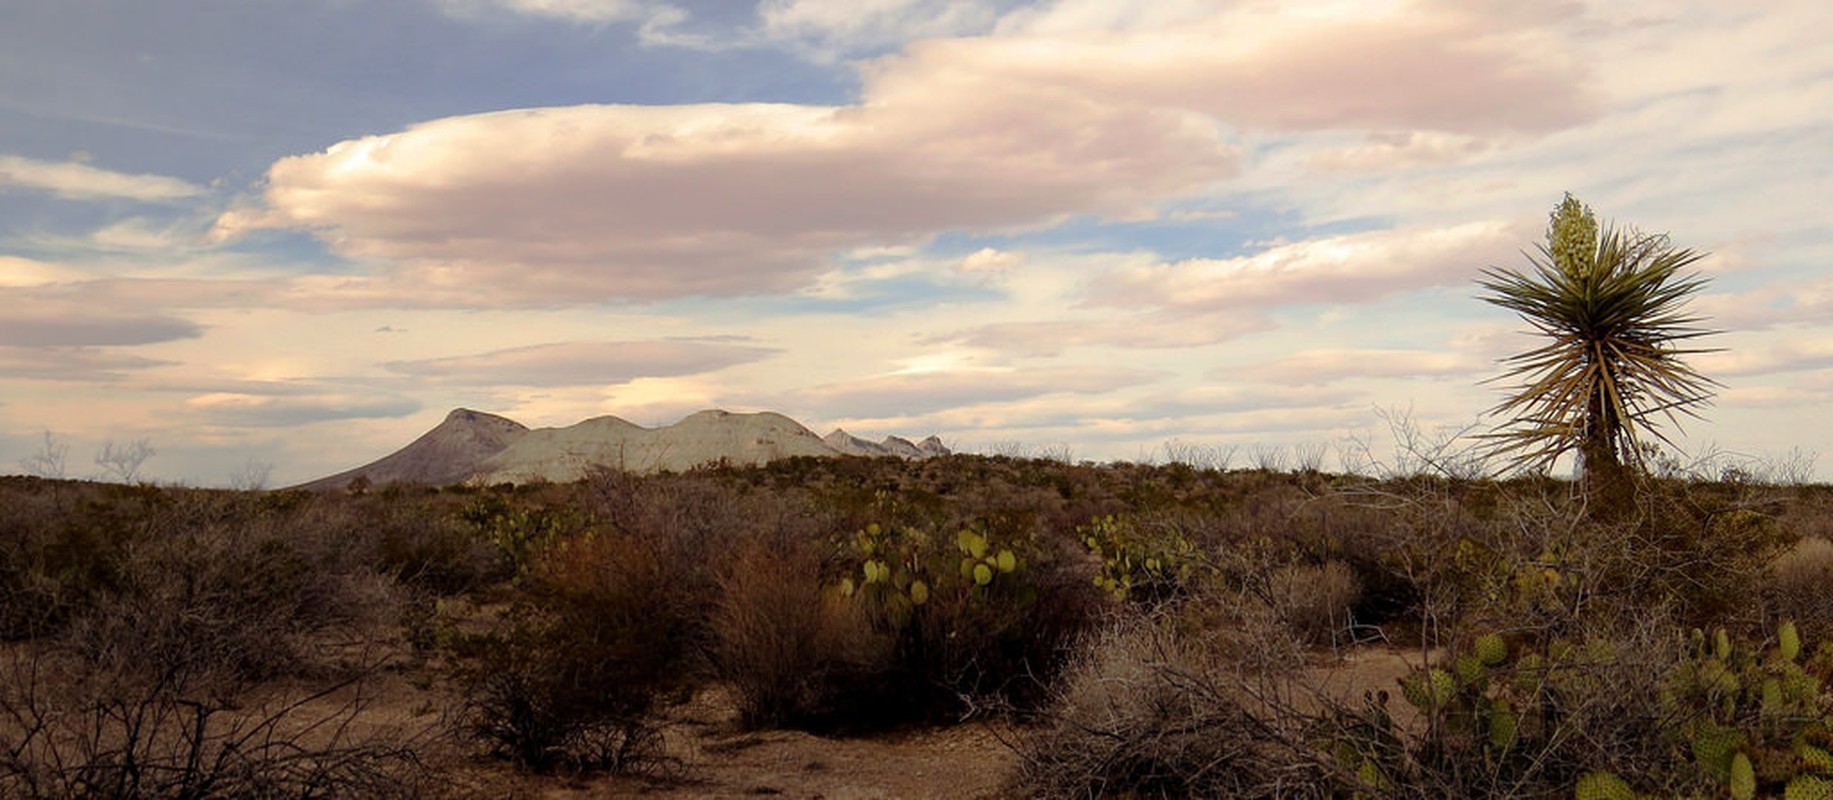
(1313, 601)
(1801, 586)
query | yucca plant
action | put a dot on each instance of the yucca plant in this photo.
(1612, 308)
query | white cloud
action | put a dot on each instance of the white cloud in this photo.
(1145, 331)
(79, 181)
(16, 272)
(990, 259)
(1356, 268)
(1312, 367)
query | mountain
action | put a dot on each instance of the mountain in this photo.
(449, 453)
(484, 448)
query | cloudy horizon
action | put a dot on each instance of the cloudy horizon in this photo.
(299, 234)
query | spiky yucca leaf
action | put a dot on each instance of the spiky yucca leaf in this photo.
(1611, 307)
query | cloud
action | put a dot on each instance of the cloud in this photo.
(66, 324)
(79, 181)
(582, 363)
(908, 394)
(579, 11)
(1330, 365)
(991, 259)
(1801, 353)
(1356, 268)
(589, 203)
(1020, 129)
(1423, 65)
(827, 29)
(75, 364)
(262, 410)
(1053, 337)
(16, 272)
(1398, 151)
(1772, 397)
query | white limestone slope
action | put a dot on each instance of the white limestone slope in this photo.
(564, 454)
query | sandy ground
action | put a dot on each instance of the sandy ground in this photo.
(971, 760)
(402, 706)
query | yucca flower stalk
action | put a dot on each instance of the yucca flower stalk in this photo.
(1612, 309)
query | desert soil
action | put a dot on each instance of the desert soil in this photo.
(718, 759)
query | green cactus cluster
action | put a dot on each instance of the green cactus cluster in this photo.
(888, 565)
(902, 567)
(518, 534)
(980, 563)
(1138, 564)
(1759, 721)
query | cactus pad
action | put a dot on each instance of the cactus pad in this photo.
(1743, 778)
(1603, 786)
(1491, 648)
(1808, 787)
(1432, 688)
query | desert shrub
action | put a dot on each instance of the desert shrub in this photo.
(436, 552)
(600, 635)
(515, 528)
(146, 684)
(786, 644)
(1146, 713)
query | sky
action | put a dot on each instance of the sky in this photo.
(293, 235)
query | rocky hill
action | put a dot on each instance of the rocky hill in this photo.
(485, 448)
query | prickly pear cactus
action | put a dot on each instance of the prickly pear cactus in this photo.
(1743, 778)
(1759, 724)
(1808, 787)
(1603, 786)
(1429, 689)
(1138, 564)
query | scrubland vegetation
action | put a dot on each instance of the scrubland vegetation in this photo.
(1147, 630)
(1650, 630)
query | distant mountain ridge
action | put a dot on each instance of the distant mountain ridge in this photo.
(474, 446)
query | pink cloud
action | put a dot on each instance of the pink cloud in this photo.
(594, 203)
(581, 363)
